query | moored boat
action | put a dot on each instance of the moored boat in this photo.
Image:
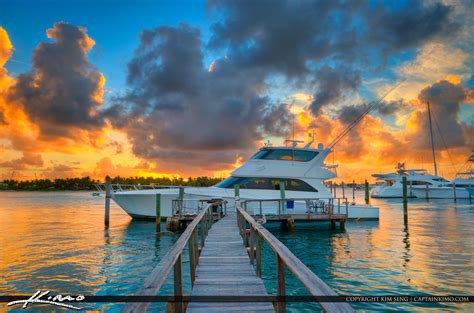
(301, 170)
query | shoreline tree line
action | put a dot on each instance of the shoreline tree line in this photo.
(87, 183)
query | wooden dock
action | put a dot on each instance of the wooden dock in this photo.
(224, 270)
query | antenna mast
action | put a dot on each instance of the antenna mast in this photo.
(432, 141)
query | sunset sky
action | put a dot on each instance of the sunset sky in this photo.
(188, 88)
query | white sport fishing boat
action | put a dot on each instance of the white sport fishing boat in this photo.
(457, 189)
(301, 169)
(390, 185)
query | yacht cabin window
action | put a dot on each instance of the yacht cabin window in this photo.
(266, 183)
(285, 155)
(418, 182)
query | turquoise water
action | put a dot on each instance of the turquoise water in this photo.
(57, 241)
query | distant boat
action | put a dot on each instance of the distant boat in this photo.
(458, 189)
(390, 185)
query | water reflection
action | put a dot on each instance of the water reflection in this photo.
(57, 241)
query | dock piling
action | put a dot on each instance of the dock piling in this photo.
(353, 191)
(158, 212)
(108, 196)
(237, 192)
(454, 191)
(259, 255)
(405, 196)
(281, 305)
(366, 184)
(178, 286)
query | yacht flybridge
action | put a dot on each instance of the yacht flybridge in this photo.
(390, 185)
(301, 170)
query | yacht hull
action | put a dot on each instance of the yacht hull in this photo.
(389, 192)
(142, 204)
(441, 193)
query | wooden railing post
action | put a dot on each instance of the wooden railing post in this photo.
(251, 244)
(178, 286)
(192, 260)
(259, 255)
(196, 246)
(203, 235)
(281, 305)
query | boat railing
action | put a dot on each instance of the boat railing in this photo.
(192, 207)
(132, 187)
(173, 260)
(284, 258)
(326, 206)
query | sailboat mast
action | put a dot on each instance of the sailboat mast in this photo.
(432, 141)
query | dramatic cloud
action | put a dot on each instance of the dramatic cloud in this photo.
(64, 91)
(178, 110)
(445, 100)
(27, 160)
(298, 39)
(331, 86)
(409, 25)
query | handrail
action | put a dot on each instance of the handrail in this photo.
(313, 283)
(330, 204)
(172, 259)
(101, 187)
(179, 208)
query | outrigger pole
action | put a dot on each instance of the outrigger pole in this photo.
(432, 141)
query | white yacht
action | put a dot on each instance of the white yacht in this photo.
(301, 169)
(457, 189)
(390, 185)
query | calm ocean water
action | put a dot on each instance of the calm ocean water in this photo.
(57, 241)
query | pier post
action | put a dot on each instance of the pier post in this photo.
(342, 224)
(108, 196)
(178, 286)
(192, 259)
(353, 191)
(427, 192)
(454, 191)
(366, 184)
(343, 191)
(282, 196)
(281, 305)
(259, 255)
(158, 212)
(181, 200)
(237, 192)
(405, 195)
(251, 254)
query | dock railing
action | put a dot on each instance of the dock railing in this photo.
(326, 206)
(190, 207)
(131, 187)
(172, 260)
(284, 258)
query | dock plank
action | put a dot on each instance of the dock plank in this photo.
(224, 269)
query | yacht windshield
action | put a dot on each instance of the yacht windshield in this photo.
(285, 155)
(266, 183)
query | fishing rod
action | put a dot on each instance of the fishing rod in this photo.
(372, 106)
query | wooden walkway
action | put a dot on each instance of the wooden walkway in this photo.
(224, 269)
